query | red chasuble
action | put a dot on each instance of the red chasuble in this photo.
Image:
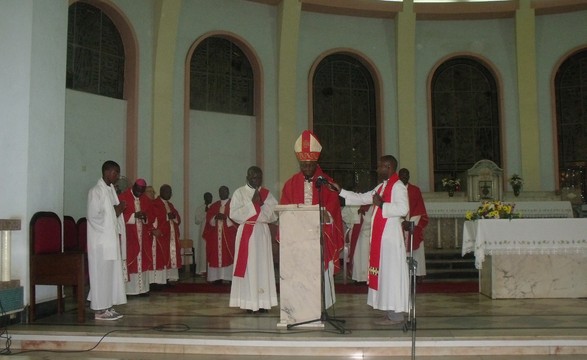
(137, 243)
(226, 251)
(417, 207)
(163, 247)
(293, 193)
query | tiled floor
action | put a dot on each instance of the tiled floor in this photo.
(202, 327)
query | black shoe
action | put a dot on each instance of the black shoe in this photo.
(263, 311)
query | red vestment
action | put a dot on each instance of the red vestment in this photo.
(138, 233)
(168, 251)
(417, 207)
(293, 193)
(219, 241)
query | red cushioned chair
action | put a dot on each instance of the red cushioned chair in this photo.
(70, 238)
(82, 239)
(50, 266)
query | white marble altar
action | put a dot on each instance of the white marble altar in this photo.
(300, 266)
(449, 215)
(529, 258)
(528, 209)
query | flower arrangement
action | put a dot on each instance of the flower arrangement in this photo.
(451, 183)
(493, 210)
(516, 181)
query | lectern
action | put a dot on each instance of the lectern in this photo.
(300, 265)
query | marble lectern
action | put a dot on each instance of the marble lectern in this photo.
(300, 266)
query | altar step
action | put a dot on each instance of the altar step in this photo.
(449, 265)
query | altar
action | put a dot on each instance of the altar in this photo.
(448, 217)
(529, 258)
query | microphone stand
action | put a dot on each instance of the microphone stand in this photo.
(412, 266)
(324, 316)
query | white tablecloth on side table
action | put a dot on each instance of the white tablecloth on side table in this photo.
(524, 236)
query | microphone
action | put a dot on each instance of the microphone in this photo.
(321, 180)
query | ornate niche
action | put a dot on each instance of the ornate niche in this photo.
(484, 181)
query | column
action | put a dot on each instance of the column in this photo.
(289, 12)
(406, 87)
(167, 18)
(527, 95)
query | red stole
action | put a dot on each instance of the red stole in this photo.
(378, 226)
(243, 249)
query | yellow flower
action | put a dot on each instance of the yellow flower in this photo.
(492, 210)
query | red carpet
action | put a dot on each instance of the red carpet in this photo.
(423, 288)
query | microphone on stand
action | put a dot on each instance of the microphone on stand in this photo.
(321, 180)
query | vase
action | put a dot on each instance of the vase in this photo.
(516, 191)
(451, 192)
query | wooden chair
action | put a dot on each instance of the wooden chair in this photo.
(50, 266)
(82, 240)
(82, 234)
(70, 237)
(187, 249)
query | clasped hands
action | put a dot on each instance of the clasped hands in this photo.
(257, 198)
(141, 215)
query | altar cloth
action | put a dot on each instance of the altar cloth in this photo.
(524, 236)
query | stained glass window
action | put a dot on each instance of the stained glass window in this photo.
(465, 118)
(571, 114)
(221, 78)
(345, 121)
(95, 52)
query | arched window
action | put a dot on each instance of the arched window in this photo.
(344, 114)
(95, 52)
(221, 78)
(465, 118)
(571, 114)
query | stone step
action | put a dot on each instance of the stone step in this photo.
(450, 265)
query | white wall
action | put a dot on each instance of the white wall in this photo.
(95, 131)
(32, 74)
(15, 76)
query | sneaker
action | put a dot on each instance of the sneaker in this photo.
(106, 315)
(115, 313)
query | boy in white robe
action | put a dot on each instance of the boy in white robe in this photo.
(106, 238)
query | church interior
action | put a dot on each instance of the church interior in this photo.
(484, 101)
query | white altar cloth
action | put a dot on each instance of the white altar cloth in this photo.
(528, 209)
(524, 236)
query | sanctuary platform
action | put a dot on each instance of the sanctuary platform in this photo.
(175, 326)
